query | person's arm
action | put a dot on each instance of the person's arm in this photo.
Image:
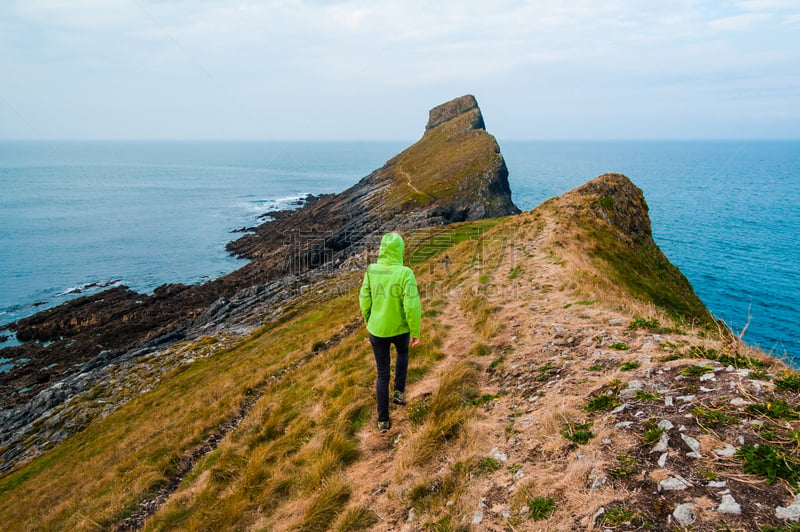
(412, 307)
(365, 298)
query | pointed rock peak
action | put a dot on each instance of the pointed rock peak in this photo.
(454, 108)
(621, 203)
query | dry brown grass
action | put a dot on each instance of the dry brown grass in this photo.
(307, 456)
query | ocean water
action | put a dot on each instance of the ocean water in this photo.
(76, 217)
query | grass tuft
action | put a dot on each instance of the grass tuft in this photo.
(579, 433)
(770, 462)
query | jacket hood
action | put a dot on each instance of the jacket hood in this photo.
(391, 250)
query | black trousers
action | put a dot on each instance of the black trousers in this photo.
(381, 347)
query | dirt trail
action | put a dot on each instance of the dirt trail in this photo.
(407, 177)
(372, 475)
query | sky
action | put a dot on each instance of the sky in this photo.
(372, 69)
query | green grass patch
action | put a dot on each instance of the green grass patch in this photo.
(497, 362)
(626, 466)
(640, 268)
(713, 417)
(652, 432)
(629, 366)
(777, 409)
(601, 402)
(483, 400)
(579, 433)
(619, 346)
(545, 373)
(417, 410)
(642, 395)
(771, 462)
(643, 323)
(695, 371)
(789, 381)
(488, 465)
(597, 367)
(540, 508)
(616, 517)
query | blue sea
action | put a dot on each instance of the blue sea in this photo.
(76, 217)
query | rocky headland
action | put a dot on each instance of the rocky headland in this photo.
(568, 379)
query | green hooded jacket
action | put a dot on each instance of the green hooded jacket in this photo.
(389, 297)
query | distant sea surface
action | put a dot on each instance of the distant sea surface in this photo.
(76, 217)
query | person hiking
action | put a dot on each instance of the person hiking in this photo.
(389, 302)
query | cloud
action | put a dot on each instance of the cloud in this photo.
(739, 22)
(277, 59)
(87, 14)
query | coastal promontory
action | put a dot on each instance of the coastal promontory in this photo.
(568, 378)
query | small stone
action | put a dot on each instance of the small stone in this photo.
(662, 460)
(791, 512)
(598, 478)
(477, 517)
(662, 445)
(728, 450)
(412, 516)
(684, 514)
(665, 424)
(623, 424)
(619, 409)
(708, 377)
(598, 514)
(668, 401)
(717, 484)
(674, 484)
(686, 398)
(728, 505)
(693, 444)
(738, 401)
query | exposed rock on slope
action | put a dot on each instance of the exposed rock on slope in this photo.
(606, 223)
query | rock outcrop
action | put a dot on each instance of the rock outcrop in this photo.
(606, 220)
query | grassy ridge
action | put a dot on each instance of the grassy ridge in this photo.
(100, 474)
(286, 464)
(311, 407)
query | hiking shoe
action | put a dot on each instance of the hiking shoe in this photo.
(383, 426)
(398, 398)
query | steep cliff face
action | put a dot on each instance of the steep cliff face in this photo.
(606, 223)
